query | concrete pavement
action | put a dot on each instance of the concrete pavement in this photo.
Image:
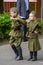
(7, 55)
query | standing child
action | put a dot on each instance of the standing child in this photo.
(32, 34)
(16, 33)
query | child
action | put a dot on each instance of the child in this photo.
(16, 33)
(33, 31)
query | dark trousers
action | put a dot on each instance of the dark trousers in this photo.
(27, 14)
(33, 55)
(24, 28)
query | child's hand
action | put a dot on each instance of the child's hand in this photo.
(28, 20)
(11, 18)
(35, 32)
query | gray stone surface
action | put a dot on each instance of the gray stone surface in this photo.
(7, 55)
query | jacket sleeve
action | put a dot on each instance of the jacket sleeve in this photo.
(38, 29)
(22, 21)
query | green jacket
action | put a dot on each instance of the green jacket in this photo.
(16, 27)
(16, 33)
(32, 33)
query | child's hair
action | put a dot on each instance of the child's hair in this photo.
(14, 9)
(34, 13)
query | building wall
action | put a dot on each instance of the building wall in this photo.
(41, 9)
(7, 7)
(38, 8)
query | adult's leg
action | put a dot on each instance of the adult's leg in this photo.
(24, 28)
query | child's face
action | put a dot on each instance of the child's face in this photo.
(31, 16)
(13, 14)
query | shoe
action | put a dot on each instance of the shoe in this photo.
(19, 58)
(34, 59)
(16, 57)
(29, 59)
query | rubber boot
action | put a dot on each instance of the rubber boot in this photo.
(35, 56)
(20, 57)
(31, 56)
(15, 50)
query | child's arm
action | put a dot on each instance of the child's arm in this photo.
(12, 26)
(28, 23)
(11, 18)
(21, 20)
(37, 30)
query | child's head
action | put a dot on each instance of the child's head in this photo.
(13, 11)
(32, 15)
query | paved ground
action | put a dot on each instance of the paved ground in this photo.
(7, 55)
